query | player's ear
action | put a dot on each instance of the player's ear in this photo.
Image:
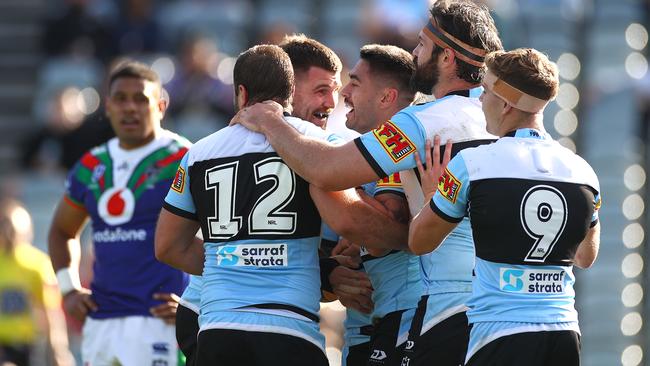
(506, 108)
(448, 56)
(389, 96)
(242, 96)
(163, 101)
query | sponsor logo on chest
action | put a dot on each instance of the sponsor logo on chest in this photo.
(253, 255)
(530, 281)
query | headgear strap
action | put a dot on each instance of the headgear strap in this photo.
(471, 55)
(512, 95)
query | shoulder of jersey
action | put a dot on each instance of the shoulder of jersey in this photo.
(309, 129)
(578, 167)
(446, 103)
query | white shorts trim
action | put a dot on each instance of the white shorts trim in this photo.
(189, 305)
(442, 316)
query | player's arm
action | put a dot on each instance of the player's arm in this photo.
(427, 231)
(320, 163)
(446, 208)
(65, 252)
(176, 243)
(396, 207)
(588, 248)
(352, 218)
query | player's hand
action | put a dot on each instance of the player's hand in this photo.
(430, 174)
(252, 117)
(77, 304)
(346, 248)
(353, 288)
(167, 310)
(350, 262)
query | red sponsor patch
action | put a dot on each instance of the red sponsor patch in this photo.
(449, 186)
(179, 180)
(392, 180)
(394, 141)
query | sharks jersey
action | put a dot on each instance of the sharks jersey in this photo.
(122, 191)
(391, 148)
(191, 297)
(547, 197)
(395, 277)
(261, 232)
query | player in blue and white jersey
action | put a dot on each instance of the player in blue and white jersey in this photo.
(379, 88)
(522, 304)
(449, 63)
(317, 72)
(259, 263)
(129, 310)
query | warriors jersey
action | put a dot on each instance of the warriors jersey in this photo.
(261, 232)
(531, 203)
(122, 191)
(391, 148)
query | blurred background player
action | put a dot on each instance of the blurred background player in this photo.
(522, 306)
(129, 311)
(30, 303)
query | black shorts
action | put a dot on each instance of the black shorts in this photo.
(229, 347)
(15, 354)
(187, 329)
(561, 348)
(443, 345)
(358, 355)
(383, 351)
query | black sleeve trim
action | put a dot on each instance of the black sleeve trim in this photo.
(327, 265)
(178, 212)
(443, 215)
(391, 191)
(366, 154)
(593, 223)
(369, 257)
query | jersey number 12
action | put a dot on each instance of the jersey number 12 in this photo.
(266, 216)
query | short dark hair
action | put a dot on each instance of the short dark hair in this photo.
(391, 62)
(133, 69)
(266, 73)
(306, 52)
(471, 23)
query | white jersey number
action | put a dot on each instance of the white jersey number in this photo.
(543, 216)
(266, 217)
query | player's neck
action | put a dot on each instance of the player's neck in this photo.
(442, 89)
(534, 121)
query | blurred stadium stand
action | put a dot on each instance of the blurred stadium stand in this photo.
(600, 46)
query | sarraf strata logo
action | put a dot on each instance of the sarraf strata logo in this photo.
(253, 255)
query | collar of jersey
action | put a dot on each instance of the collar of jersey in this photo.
(528, 133)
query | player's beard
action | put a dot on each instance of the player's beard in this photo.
(425, 77)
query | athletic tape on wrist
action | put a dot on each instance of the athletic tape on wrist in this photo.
(68, 280)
